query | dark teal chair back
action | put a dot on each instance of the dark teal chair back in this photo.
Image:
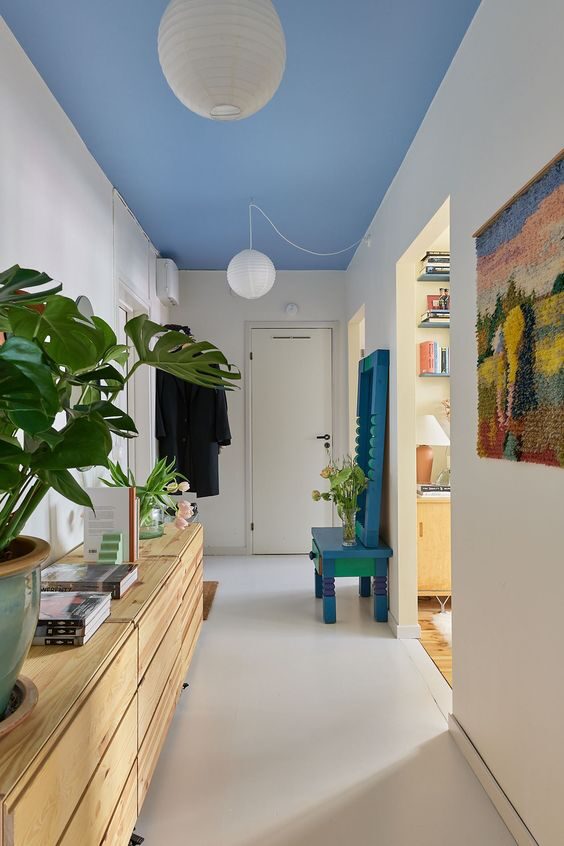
(371, 434)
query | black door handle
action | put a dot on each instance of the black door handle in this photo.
(323, 437)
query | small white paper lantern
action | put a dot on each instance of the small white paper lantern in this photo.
(223, 59)
(251, 274)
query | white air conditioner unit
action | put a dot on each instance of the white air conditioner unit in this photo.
(167, 282)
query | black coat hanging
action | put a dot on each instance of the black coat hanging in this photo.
(191, 425)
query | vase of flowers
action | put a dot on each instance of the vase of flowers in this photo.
(155, 496)
(346, 483)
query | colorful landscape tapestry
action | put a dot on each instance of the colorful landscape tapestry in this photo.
(520, 325)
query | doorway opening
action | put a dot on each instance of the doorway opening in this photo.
(424, 375)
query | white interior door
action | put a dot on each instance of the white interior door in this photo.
(291, 412)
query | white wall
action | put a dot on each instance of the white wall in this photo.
(56, 215)
(495, 121)
(212, 312)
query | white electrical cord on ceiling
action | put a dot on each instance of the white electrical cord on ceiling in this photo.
(292, 244)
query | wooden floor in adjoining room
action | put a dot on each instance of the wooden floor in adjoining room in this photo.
(431, 639)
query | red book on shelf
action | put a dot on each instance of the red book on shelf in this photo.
(433, 303)
(426, 357)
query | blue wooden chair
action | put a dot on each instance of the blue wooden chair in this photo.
(369, 559)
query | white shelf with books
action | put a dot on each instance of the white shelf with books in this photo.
(432, 335)
(434, 277)
(430, 325)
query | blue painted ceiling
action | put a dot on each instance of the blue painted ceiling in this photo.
(360, 75)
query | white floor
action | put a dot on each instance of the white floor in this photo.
(294, 733)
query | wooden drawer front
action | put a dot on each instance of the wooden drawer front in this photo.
(195, 591)
(191, 561)
(96, 807)
(38, 810)
(191, 637)
(125, 815)
(157, 618)
(152, 684)
(192, 624)
(157, 731)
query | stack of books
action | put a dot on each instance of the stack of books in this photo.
(70, 618)
(433, 359)
(433, 490)
(435, 262)
(112, 579)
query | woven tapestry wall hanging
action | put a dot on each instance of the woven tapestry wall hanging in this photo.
(520, 324)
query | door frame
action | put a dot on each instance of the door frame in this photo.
(143, 390)
(404, 578)
(336, 386)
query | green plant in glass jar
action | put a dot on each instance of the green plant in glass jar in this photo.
(155, 496)
(347, 481)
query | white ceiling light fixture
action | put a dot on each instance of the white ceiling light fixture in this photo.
(251, 274)
(224, 59)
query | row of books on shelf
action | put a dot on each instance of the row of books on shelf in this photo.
(433, 358)
(76, 599)
(430, 491)
(435, 262)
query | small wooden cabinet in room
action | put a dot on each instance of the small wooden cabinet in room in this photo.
(433, 547)
(77, 770)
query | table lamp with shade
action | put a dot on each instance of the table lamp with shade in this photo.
(430, 433)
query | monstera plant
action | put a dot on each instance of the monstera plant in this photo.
(60, 375)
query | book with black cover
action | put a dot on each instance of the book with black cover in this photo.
(63, 641)
(75, 608)
(74, 629)
(433, 487)
(431, 491)
(114, 579)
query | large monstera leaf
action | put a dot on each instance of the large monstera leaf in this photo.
(16, 281)
(28, 395)
(200, 363)
(84, 442)
(66, 336)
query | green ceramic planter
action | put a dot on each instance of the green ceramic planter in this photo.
(20, 589)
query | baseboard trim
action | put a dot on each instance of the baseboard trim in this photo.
(499, 799)
(402, 632)
(432, 676)
(236, 551)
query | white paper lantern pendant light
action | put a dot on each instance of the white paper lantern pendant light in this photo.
(251, 274)
(224, 59)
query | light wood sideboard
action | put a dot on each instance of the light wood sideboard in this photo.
(433, 546)
(78, 769)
